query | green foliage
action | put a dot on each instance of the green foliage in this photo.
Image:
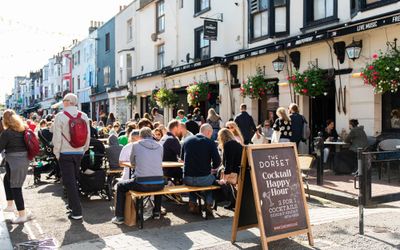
(166, 98)
(256, 86)
(310, 83)
(197, 92)
(383, 73)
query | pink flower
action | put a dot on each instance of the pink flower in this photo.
(375, 56)
(293, 78)
(288, 78)
(195, 83)
(375, 73)
(305, 91)
(371, 67)
(305, 80)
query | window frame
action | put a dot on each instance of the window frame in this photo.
(197, 42)
(159, 66)
(159, 17)
(307, 12)
(271, 22)
(108, 74)
(361, 5)
(108, 42)
(129, 69)
(129, 30)
(197, 8)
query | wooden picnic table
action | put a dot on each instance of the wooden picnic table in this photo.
(165, 164)
(103, 140)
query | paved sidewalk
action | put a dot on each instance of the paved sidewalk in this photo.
(217, 233)
(5, 241)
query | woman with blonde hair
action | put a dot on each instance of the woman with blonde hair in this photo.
(213, 119)
(233, 127)
(231, 160)
(12, 141)
(283, 125)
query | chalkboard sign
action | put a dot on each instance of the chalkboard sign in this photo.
(278, 206)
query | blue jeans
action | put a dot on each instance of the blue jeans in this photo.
(200, 181)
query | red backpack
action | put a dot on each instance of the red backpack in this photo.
(32, 143)
(78, 130)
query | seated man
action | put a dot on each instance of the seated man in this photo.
(198, 153)
(172, 150)
(146, 157)
(113, 151)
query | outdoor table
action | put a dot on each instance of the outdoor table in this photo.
(165, 164)
(103, 140)
(398, 147)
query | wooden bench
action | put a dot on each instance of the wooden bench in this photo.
(140, 196)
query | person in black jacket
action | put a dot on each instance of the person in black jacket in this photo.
(199, 152)
(297, 121)
(246, 124)
(231, 161)
(191, 125)
(172, 150)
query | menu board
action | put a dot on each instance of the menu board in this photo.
(270, 193)
(279, 190)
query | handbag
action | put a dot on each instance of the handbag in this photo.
(231, 178)
(276, 135)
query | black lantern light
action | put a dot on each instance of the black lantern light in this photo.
(353, 50)
(279, 63)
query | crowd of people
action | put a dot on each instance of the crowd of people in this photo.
(209, 150)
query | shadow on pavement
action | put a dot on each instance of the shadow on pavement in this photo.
(78, 232)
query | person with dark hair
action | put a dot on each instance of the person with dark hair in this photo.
(136, 117)
(191, 125)
(329, 134)
(197, 117)
(111, 119)
(172, 150)
(346, 160)
(181, 116)
(157, 117)
(93, 130)
(245, 123)
(123, 139)
(298, 122)
(144, 122)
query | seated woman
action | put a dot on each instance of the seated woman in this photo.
(329, 134)
(113, 151)
(231, 160)
(346, 160)
(258, 137)
(233, 127)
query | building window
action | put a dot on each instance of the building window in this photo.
(201, 6)
(181, 4)
(46, 92)
(319, 11)
(79, 82)
(360, 5)
(106, 75)
(107, 42)
(128, 66)
(391, 111)
(79, 57)
(202, 46)
(268, 18)
(129, 30)
(160, 17)
(160, 56)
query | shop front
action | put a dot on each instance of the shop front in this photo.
(100, 105)
(119, 103)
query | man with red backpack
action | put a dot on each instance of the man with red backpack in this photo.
(71, 138)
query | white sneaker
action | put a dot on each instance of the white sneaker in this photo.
(9, 209)
(22, 219)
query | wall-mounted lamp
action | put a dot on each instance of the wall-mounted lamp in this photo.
(295, 59)
(279, 63)
(353, 50)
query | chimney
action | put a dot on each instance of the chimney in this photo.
(92, 26)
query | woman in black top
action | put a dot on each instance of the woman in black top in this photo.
(231, 160)
(329, 134)
(283, 125)
(12, 141)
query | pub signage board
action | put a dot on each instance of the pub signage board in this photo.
(279, 207)
(210, 30)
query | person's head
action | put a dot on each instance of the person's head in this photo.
(189, 117)
(212, 115)
(281, 113)
(181, 113)
(147, 116)
(145, 133)
(158, 134)
(12, 121)
(154, 111)
(100, 124)
(49, 118)
(353, 123)
(293, 108)
(144, 123)
(243, 107)
(267, 124)
(134, 136)
(233, 127)
(224, 135)
(259, 129)
(163, 129)
(43, 123)
(395, 113)
(116, 126)
(49, 124)
(70, 99)
(111, 116)
(196, 111)
(136, 117)
(330, 124)
(156, 125)
(206, 130)
(130, 127)
(174, 127)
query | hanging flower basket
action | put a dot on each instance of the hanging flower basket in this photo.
(197, 92)
(256, 86)
(311, 82)
(383, 73)
(166, 98)
(131, 97)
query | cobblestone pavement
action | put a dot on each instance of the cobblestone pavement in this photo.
(176, 229)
